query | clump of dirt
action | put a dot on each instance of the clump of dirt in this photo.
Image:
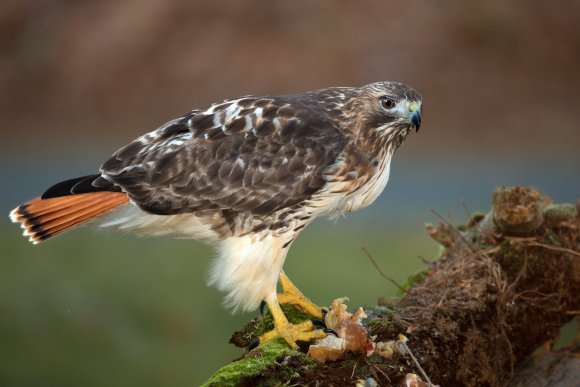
(518, 210)
(493, 298)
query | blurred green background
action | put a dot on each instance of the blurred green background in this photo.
(80, 79)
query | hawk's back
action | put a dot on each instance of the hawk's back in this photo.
(236, 163)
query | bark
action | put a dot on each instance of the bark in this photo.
(504, 284)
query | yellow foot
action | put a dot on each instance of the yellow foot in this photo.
(291, 295)
(304, 331)
(292, 333)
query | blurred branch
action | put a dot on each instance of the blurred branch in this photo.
(374, 262)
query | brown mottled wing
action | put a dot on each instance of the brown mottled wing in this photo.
(254, 155)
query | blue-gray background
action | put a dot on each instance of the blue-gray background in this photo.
(80, 79)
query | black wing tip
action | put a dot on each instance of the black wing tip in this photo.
(64, 188)
(78, 185)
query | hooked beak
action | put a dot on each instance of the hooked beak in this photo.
(415, 115)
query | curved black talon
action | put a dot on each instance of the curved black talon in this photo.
(262, 306)
(253, 343)
(321, 324)
(328, 330)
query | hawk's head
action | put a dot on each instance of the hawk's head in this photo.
(385, 112)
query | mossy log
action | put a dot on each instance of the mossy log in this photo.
(504, 284)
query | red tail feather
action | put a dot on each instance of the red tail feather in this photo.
(44, 218)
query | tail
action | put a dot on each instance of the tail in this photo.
(66, 205)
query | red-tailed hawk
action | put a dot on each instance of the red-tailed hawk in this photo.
(246, 175)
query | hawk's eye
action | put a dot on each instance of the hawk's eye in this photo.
(388, 103)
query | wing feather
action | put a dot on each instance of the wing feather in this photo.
(255, 155)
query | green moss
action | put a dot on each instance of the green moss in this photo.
(377, 325)
(441, 250)
(265, 358)
(551, 238)
(556, 213)
(508, 258)
(413, 279)
(512, 260)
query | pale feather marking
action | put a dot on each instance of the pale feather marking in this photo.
(247, 269)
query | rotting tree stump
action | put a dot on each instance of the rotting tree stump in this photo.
(504, 284)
